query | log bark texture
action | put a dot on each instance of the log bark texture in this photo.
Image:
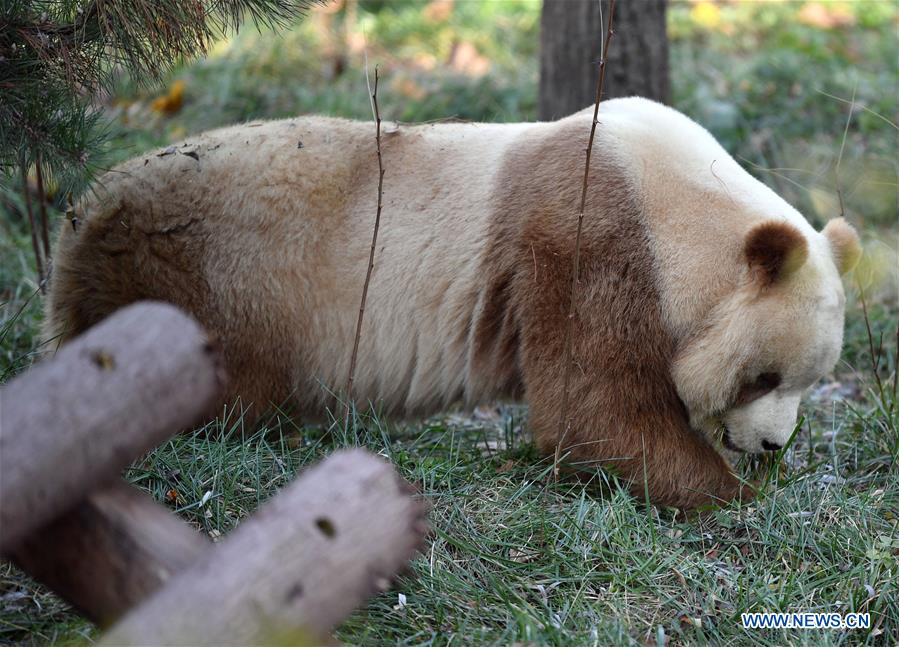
(570, 37)
(110, 552)
(75, 421)
(291, 572)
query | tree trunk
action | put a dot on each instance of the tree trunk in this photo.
(570, 36)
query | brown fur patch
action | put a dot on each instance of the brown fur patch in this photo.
(122, 253)
(494, 360)
(625, 413)
(775, 250)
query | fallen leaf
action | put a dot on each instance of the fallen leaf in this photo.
(521, 556)
(690, 621)
(171, 101)
(438, 10)
(464, 58)
(706, 14)
(816, 14)
(508, 466)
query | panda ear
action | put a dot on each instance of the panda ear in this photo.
(844, 244)
(774, 250)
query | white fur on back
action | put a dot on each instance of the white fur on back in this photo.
(437, 202)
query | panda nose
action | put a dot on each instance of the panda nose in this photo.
(768, 446)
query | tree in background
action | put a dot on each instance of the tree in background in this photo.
(56, 55)
(570, 32)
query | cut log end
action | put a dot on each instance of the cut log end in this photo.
(340, 533)
(75, 420)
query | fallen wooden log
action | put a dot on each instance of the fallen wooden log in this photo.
(291, 572)
(110, 552)
(74, 421)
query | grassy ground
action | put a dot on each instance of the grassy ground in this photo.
(514, 557)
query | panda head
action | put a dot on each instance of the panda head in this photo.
(743, 370)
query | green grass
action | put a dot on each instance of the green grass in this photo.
(20, 303)
(515, 557)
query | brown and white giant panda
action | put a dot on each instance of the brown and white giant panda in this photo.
(706, 304)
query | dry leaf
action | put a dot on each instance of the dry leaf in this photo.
(171, 101)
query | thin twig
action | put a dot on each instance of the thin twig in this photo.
(895, 374)
(575, 274)
(842, 148)
(42, 204)
(371, 256)
(33, 226)
(875, 354)
(885, 120)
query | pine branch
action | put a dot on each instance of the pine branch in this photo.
(148, 37)
(56, 54)
(33, 226)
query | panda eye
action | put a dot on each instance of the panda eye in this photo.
(767, 381)
(763, 384)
